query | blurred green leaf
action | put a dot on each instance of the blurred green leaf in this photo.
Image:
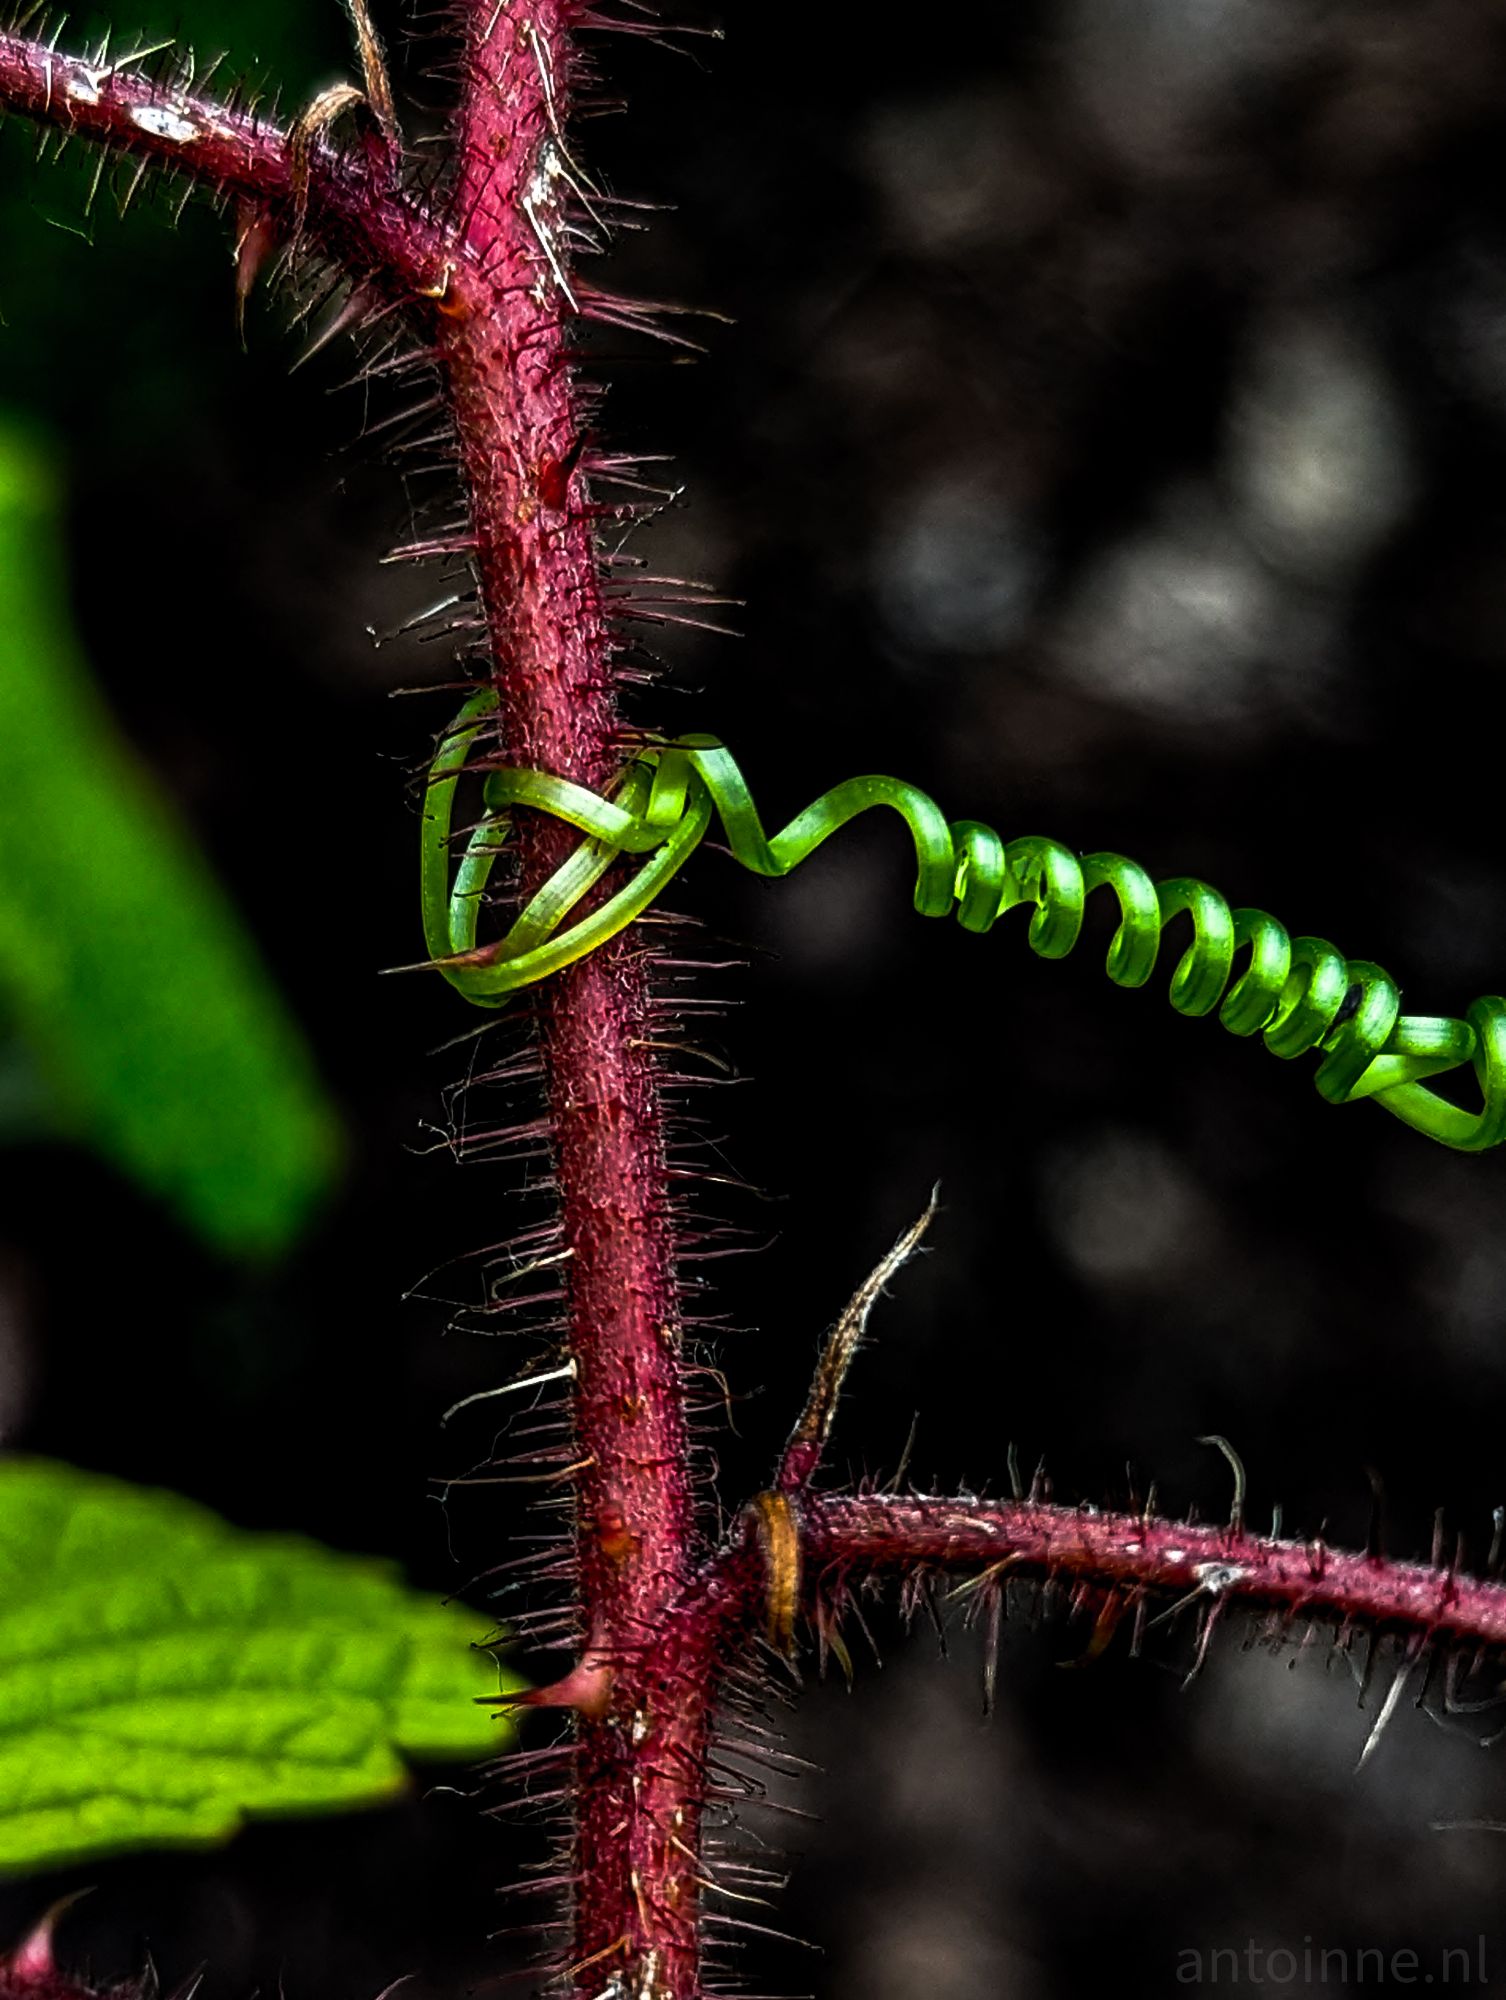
(122, 964)
(163, 1675)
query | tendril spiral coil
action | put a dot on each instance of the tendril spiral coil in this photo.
(1299, 994)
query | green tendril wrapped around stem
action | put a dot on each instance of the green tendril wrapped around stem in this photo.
(1299, 993)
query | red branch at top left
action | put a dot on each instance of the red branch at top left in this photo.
(346, 203)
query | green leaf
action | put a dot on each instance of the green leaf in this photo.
(122, 965)
(162, 1675)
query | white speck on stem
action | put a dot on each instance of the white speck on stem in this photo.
(540, 203)
(162, 122)
(1218, 1577)
(83, 86)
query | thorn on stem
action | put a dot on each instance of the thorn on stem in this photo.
(1375, 1534)
(894, 1484)
(351, 312)
(254, 237)
(32, 1962)
(1236, 1466)
(587, 1689)
(1388, 1709)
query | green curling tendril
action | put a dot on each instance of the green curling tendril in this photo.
(1298, 993)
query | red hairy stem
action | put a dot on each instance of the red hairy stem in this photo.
(520, 423)
(845, 1538)
(701, 1635)
(347, 203)
(854, 1536)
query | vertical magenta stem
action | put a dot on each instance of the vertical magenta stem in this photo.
(503, 339)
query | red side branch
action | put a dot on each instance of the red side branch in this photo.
(850, 1537)
(349, 205)
(788, 1553)
(520, 424)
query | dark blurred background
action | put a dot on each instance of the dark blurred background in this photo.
(1110, 436)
